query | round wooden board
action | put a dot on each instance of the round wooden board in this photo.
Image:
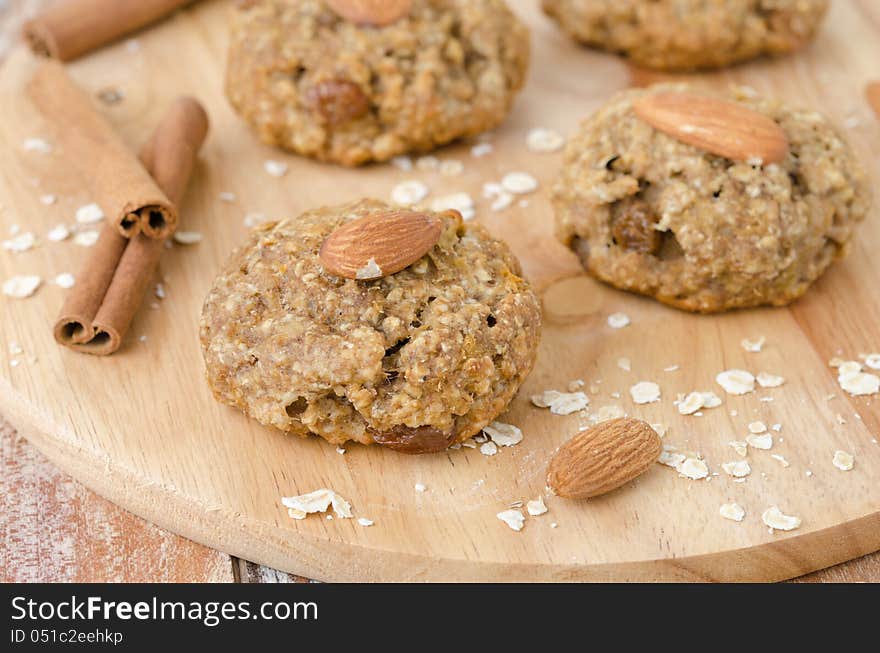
(141, 428)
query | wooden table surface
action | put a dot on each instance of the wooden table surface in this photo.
(54, 529)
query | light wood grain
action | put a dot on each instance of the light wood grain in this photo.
(168, 452)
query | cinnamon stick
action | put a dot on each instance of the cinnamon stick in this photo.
(114, 280)
(71, 28)
(120, 185)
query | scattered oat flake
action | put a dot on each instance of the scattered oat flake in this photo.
(766, 380)
(89, 214)
(732, 511)
(671, 368)
(618, 320)
(519, 183)
(65, 280)
(226, 196)
(48, 199)
(34, 144)
(187, 237)
(513, 518)
(660, 429)
(15, 349)
(843, 461)
(20, 243)
(860, 383)
(625, 364)
(58, 233)
(420, 487)
(736, 382)
(691, 404)
(409, 192)
(543, 140)
(461, 202)
(753, 346)
(481, 150)
(451, 168)
(645, 392)
(536, 507)
(426, 163)
(763, 441)
(775, 519)
(275, 168)
(22, 286)
(251, 220)
(671, 459)
(505, 435)
(561, 403)
(740, 446)
(873, 361)
(694, 469)
(737, 468)
(86, 238)
(363, 521)
(488, 448)
(403, 162)
(606, 413)
(757, 427)
(317, 501)
(780, 459)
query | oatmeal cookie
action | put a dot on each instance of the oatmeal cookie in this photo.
(320, 85)
(690, 34)
(651, 214)
(415, 361)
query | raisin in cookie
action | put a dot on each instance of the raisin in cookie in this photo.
(312, 81)
(415, 361)
(690, 34)
(647, 212)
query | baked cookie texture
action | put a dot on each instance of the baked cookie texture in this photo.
(313, 83)
(415, 361)
(690, 34)
(648, 213)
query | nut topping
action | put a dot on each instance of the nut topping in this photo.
(723, 128)
(377, 13)
(379, 244)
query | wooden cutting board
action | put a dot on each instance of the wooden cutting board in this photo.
(141, 428)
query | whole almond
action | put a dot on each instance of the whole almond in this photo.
(378, 13)
(379, 244)
(603, 458)
(724, 128)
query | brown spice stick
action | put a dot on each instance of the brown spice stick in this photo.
(112, 285)
(71, 28)
(119, 183)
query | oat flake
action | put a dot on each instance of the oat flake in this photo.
(187, 237)
(317, 501)
(739, 446)
(775, 519)
(543, 141)
(694, 469)
(645, 392)
(20, 287)
(410, 192)
(20, 243)
(536, 507)
(757, 427)
(561, 403)
(505, 435)
(89, 214)
(753, 346)
(732, 511)
(606, 413)
(488, 448)
(275, 168)
(780, 459)
(763, 441)
(370, 271)
(461, 202)
(736, 382)
(65, 280)
(873, 361)
(766, 380)
(86, 238)
(363, 521)
(58, 234)
(519, 183)
(843, 461)
(738, 468)
(691, 404)
(860, 383)
(420, 487)
(513, 518)
(618, 320)
(671, 459)
(34, 144)
(625, 364)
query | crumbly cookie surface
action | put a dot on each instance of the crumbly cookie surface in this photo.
(690, 34)
(415, 361)
(650, 214)
(316, 84)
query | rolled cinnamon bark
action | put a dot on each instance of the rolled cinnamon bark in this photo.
(70, 28)
(119, 183)
(112, 285)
